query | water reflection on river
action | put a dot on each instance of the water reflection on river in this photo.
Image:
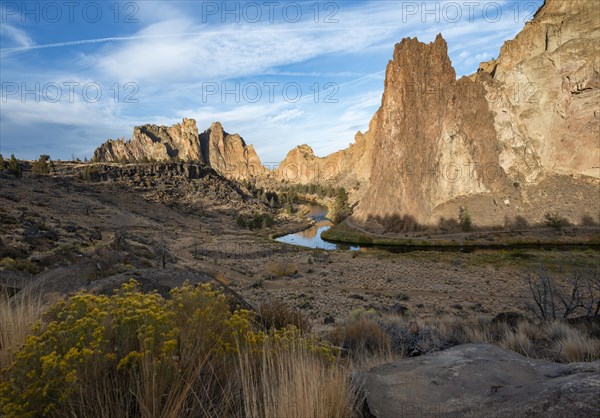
(311, 237)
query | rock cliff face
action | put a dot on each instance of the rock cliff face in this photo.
(544, 90)
(434, 137)
(509, 134)
(227, 154)
(348, 167)
(154, 142)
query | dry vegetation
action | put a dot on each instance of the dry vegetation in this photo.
(319, 316)
(139, 354)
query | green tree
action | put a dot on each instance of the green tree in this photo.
(14, 167)
(464, 219)
(240, 221)
(340, 209)
(1, 163)
(289, 208)
(40, 167)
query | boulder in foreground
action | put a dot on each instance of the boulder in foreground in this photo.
(481, 380)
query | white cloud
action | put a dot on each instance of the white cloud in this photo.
(17, 36)
(286, 116)
(171, 53)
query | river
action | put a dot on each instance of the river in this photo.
(311, 237)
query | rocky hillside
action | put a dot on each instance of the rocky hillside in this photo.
(227, 154)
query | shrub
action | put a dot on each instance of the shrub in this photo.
(136, 354)
(147, 349)
(268, 220)
(256, 222)
(240, 221)
(402, 296)
(464, 219)
(40, 167)
(289, 208)
(14, 167)
(25, 266)
(282, 268)
(360, 337)
(554, 220)
(90, 172)
(275, 315)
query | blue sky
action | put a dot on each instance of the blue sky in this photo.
(279, 73)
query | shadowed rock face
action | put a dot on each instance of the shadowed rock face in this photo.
(434, 137)
(345, 167)
(544, 91)
(227, 154)
(481, 380)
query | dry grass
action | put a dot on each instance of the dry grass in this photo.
(18, 313)
(282, 268)
(295, 382)
(275, 314)
(522, 339)
(410, 337)
(571, 345)
(361, 338)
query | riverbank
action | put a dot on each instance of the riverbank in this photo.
(568, 236)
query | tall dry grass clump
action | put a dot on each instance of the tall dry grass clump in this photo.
(295, 381)
(18, 313)
(571, 345)
(406, 336)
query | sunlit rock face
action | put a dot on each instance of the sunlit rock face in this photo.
(521, 130)
(434, 137)
(544, 91)
(227, 154)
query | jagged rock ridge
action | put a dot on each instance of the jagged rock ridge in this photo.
(435, 137)
(227, 154)
(516, 140)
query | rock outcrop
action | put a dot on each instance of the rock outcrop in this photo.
(544, 91)
(227, 154)
(496, 141)
(435, 138)
(481, 380)
(349, 168)
(155, 143)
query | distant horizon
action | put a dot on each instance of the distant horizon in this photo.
(74, 77)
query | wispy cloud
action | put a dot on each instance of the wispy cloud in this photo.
(172, 52)
(17, 36)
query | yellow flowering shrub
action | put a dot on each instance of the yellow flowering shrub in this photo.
(135, 353)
